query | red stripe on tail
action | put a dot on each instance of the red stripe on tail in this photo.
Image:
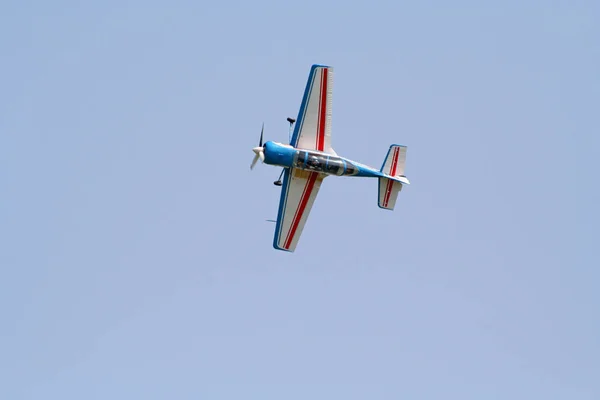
(390, 183)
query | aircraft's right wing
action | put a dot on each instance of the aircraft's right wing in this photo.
(298, 194)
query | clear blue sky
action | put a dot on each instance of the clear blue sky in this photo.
(135, 260)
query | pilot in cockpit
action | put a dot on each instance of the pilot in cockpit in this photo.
(313, 163)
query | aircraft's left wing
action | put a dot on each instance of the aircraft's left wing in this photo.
(298, 194)
(313, 125)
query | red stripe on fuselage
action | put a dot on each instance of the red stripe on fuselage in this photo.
(298, 215)
(322, 111)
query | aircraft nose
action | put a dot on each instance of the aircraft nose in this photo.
(270, 146)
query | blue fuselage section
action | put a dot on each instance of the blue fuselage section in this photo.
(312, 160)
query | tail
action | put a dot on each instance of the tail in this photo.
(391, 183)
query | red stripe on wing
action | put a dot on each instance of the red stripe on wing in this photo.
(322, 111)
(300, 210)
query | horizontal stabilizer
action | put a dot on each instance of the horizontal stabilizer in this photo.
(394, 162)
(388, 192)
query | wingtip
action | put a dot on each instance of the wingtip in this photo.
(276, 247)
(315, 66)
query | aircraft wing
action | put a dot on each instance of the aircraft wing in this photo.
(313, 125)
(298, 194)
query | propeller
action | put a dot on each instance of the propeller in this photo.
(259, 152)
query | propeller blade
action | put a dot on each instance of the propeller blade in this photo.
(259, 151)
(254, 161)
(260, 143)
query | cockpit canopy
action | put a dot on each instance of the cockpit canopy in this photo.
(327, 164)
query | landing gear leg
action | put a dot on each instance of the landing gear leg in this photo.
(278, 181)
(291, 121)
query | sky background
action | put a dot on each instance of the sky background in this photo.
(135, 259)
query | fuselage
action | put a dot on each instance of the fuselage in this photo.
(286, 156)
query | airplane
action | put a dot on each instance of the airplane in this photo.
(309, 158)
